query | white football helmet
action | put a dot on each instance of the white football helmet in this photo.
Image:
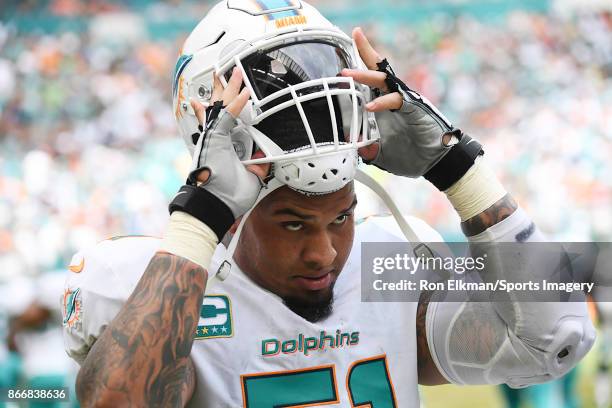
(306, 119)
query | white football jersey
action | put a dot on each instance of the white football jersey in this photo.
(250, 350)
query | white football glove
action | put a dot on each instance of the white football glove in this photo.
(219, 188)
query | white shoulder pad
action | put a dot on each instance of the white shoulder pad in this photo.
(99, 281)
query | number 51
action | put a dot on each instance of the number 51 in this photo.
(368, 384)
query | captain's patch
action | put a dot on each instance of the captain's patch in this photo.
(215, 318)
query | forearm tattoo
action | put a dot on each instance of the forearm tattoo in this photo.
(499, 211)
(142, 358)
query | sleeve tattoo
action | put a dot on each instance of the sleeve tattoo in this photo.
(142, 357)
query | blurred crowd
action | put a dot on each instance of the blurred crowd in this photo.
(89, 148)
(537, 90)
(88, 142)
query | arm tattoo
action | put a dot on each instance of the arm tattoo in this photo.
(142, 357)
(499, 211)
(426, 367)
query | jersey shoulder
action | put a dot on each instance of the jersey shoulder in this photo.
(112, 267)
(99, 280)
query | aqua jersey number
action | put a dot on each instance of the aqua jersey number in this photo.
(368, 384)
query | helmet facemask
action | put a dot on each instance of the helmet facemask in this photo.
(307, 120)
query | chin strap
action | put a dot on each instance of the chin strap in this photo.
(418, 247)
(373, 185)
(226, 266)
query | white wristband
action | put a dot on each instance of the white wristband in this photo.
(189, 238)
(476, 191)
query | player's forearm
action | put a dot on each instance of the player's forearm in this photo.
(479, 199)
(498, 212)
(142, 358)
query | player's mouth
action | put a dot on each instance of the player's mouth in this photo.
(315, 283)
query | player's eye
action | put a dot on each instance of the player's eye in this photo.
(341, 219)
(293, 226)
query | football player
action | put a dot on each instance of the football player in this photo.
(274, 102)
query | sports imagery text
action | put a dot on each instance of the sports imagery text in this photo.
(457, 285)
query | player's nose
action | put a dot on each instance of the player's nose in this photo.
(319, 251)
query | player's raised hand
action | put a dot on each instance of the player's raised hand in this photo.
(414, 135)
(216, 166)
(372, 77)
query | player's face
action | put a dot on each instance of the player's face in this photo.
(295, 246)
